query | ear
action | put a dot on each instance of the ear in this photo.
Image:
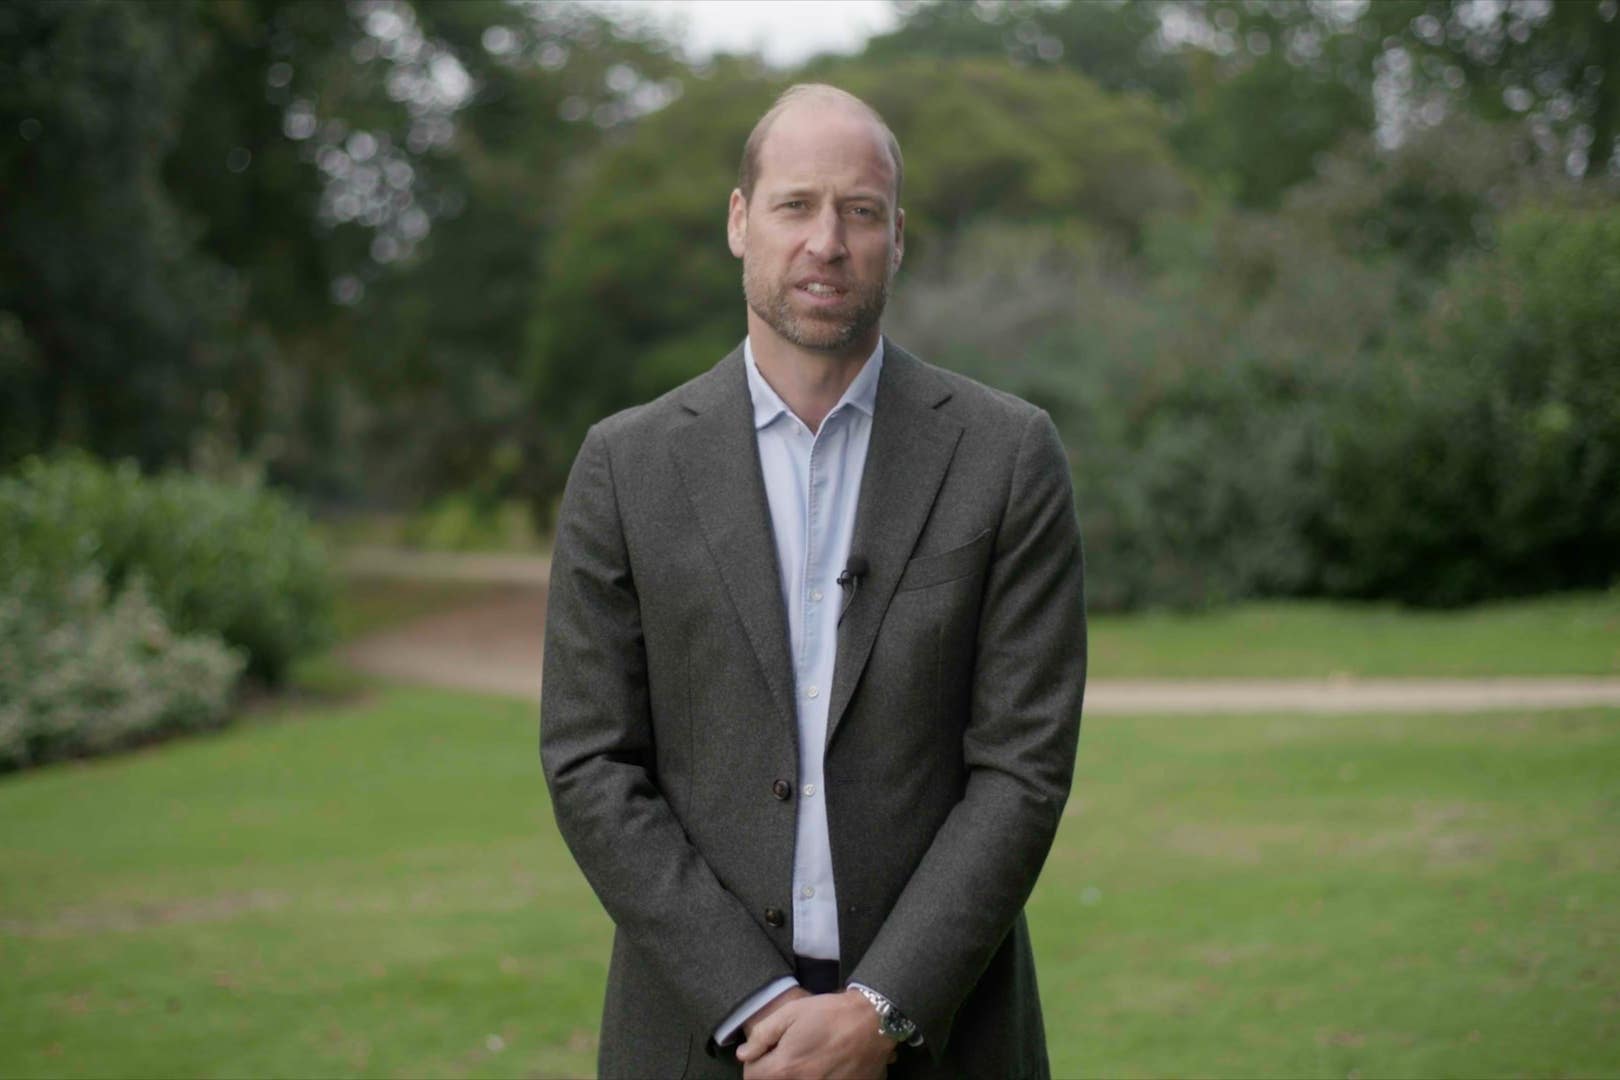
(737, 223)
(899, 237)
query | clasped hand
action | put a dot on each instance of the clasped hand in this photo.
(827, 1035)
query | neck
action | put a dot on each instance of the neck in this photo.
(809, 381)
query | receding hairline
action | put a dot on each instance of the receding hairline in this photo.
(800, 93)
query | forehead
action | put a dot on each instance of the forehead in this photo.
(819, 142)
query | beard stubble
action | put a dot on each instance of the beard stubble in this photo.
(771, 300)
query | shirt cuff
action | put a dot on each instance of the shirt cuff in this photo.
(726, 1033)
(915, 1040)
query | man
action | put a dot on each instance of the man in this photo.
(814, 662)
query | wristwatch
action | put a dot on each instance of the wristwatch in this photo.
(890, 1021)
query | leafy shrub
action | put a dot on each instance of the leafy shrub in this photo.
(1190, 399)
(1260, 404)
(1192, 485)
(1481, 457)
(237, 562)
(82, 673)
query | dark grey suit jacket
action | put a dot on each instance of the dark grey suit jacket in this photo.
(667, 716)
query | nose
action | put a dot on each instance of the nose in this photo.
(826, 242)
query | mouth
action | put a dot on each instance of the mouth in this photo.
(821, 291)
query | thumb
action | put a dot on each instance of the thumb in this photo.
(766, 1034)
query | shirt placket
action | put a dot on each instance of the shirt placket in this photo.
(813, 885)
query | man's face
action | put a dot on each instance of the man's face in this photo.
(821, 238)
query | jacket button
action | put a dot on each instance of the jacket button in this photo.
(774, 917)
(781, 789)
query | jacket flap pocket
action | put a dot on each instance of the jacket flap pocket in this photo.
(926, 570)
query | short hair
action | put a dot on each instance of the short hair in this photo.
(748, 171)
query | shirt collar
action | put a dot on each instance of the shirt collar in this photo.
(861, 393)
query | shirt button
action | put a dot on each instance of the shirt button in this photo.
(781, 789)
(812, 693)
(815, 595)
(809, 790)
(808, 891)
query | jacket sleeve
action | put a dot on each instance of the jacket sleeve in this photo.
(597, 749)
(1018, 746)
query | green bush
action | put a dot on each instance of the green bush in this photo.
(1193, 484)
(236, 562)
(82, 673)
(1481, 457)
(1256, 406)
(1190, 399)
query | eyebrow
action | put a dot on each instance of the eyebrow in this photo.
(808, 192)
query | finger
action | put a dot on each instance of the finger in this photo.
(767, 1033)
(752, 1051)
(769, 1067)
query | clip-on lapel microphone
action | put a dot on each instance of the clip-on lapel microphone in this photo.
(851, 579)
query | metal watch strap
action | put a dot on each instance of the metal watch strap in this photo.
(890, 1022)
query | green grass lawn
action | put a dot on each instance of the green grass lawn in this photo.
(377, 889)
(1577, 634)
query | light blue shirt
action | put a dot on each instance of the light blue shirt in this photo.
(812, 483)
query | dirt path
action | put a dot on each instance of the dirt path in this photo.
(496, 648)
(1347, 695)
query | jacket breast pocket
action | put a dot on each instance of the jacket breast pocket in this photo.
(943, 566)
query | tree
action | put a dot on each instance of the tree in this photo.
(548, 85)
(1251, 93)
(1555, 65)
(1258, 90)
(302, 233)
(113, 316)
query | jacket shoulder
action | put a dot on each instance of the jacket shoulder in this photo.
(654, 418)
(982, 399)
(968, 400)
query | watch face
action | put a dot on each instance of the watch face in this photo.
(890, 1023)
(896, 1026)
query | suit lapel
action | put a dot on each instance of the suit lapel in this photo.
(718, 460)
(910, 449)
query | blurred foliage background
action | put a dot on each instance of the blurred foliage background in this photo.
(1321, 294)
